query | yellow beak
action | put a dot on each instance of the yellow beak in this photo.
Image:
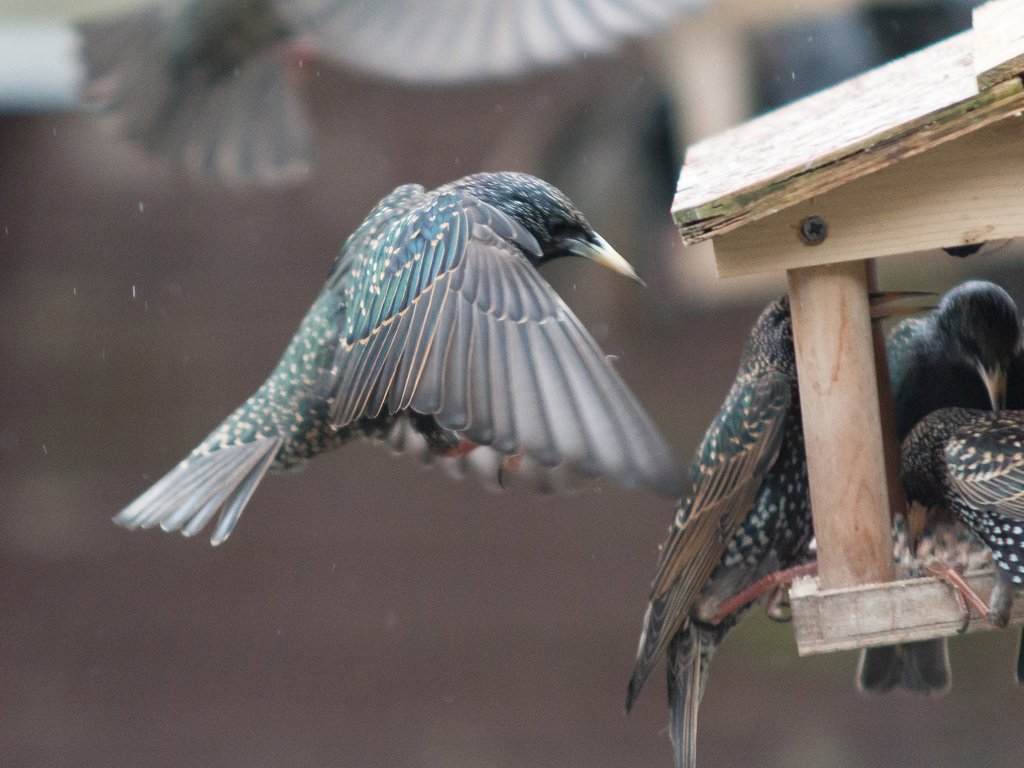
(995, 383)
(604, 254)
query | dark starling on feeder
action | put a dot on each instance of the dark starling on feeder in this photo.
(746, 514)
(434, 317)
(206, 82)
(958, 356)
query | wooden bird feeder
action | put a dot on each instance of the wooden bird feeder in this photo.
(926, 152)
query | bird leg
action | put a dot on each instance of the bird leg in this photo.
(773, 581)
(461, 449)
(966, 597)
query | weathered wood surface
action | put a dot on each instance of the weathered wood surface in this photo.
(998, 41)
(839, 405)
(833, 137)
(963, 192)
(882, 614)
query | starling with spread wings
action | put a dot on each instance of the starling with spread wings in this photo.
(745, 515)
(435, 318)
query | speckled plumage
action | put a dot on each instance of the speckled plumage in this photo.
(971, 463)
(941, 361)
(746, 515)
(434, 314)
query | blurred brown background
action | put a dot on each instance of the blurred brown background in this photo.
(369, 611)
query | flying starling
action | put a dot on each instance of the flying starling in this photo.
(958, 356)
(206, 82)
(970, 464)
(433, 317)
(746, 514)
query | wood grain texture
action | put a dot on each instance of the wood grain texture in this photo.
(963, 192)
(831, 138)
(839, 404)
(998, 41)
(883, 614)
(886, 407)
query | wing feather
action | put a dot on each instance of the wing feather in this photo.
(985, 465)
(737, 452)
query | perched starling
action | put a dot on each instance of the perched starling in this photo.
(205, 82)
(970, 464)
(746, 514)
(433, 314)
(959, 356)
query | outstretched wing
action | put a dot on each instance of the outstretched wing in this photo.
(985, 463)
(446, 316)
(738, 449)
(461, 40)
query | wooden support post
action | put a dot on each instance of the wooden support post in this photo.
(886, 407)
(839, 403)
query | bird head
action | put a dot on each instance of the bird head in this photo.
(557, 224)
(770, 344)
(978, 321)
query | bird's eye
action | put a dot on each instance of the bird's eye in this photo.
(560, 228)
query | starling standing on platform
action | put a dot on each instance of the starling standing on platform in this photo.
(970, 464)
(206, 82)
(959, 356)
(746, 514)
(434, 314)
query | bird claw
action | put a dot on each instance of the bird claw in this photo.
(510, 464)
(966, 597)
(778, 608)
(1000, 603)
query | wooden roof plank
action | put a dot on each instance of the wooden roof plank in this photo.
(998, 41)
(830, 138)
(960, 193)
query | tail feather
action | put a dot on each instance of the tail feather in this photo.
(918, 667)
(192, 493)
(654, 639)
(689, 660)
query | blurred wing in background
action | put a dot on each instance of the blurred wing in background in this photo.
(209, 85)
(207, 88)
(460, 40)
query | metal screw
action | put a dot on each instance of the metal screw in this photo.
(813, 230)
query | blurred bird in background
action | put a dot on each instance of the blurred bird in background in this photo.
(207, 82)
(958, 356)
(746, 514)
(434, 321)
